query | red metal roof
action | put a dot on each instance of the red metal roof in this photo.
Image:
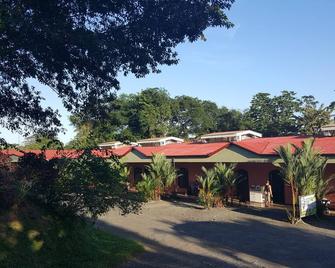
(267, 146)
(183, 149)
(51, 154)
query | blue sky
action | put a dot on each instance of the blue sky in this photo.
(275, 45)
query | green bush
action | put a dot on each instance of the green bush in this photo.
(88, 185)
(84, 186)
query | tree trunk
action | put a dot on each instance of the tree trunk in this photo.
(293, 203)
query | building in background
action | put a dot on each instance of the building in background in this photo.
(162, 141)
(229, 136)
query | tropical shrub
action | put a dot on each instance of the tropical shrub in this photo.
(160, 175)
(226, 179)
(148, 186)
(209, 188)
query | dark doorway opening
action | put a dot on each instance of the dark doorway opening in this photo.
(278, 186)
(242, 185)
(137, 175)
(183, 178)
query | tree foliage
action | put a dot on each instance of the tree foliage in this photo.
(39, 142)
(313, 116)
(78, 48)
(273, 116)
(152, 113)
(286, 114)
(84, 186)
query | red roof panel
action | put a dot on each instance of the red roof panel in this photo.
(267, 146)
(183, 149)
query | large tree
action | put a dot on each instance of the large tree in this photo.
(313, 116)
(273, 116)
(78, 47)
(188, 114)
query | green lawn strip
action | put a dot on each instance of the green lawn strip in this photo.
(32, 239)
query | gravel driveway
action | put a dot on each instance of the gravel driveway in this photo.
(179, 234)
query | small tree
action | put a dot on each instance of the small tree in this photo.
(160, 174)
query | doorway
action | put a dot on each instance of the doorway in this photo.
(277, 183)
(183, 178)
(242, 185)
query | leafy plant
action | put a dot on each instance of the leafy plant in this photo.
(303, 169)
(161, 174)
(90, 185)
(148, 186)
(86, 185)
(209, 188)
(227, 179)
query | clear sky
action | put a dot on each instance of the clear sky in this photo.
(275, 45)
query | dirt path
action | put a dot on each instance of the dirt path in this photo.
(183, 235)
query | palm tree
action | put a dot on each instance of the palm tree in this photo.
(161, 173)
(303, 169)
(288, 167)
(227, 179)
(148, 187)
(208, 187)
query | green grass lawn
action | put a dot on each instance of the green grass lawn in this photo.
(30, 238)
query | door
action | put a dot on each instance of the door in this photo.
(242, 185)
(277, 184)
(183, 178)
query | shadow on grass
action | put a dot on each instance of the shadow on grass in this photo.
(32, 237)
(244, 242)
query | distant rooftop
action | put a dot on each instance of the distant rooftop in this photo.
(160, 141)
(111, 145)
(236, 135)
(328, 127)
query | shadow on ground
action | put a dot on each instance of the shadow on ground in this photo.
(278, 214)
(241, 242)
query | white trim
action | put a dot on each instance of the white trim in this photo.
(237, 134)
(160, 140)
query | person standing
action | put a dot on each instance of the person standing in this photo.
(268, 194)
